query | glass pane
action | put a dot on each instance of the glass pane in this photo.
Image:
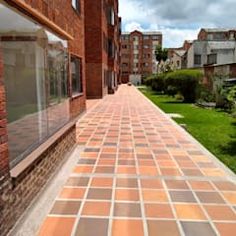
(35, 77)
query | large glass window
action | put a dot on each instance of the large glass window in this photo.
(35, 76)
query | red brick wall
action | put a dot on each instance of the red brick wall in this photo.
(94, 35)
(4, 162)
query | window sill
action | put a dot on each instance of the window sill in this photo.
(76, 95)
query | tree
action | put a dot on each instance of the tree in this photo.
(161, 54)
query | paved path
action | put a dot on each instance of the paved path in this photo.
(140, 174)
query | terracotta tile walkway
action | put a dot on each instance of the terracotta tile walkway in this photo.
(140, 174)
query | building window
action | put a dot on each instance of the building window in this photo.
(145, 46)
(76, 75)
(155, 37)
(212, 59)
(111, 49)
(145, 37)
(197, 59)
(105, 80)
(76, 5)
(124, 46)
(111, 16)
(35, 65)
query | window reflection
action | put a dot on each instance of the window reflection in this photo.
(35, 77)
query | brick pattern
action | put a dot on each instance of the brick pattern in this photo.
(19, 193)
(97, 33)
(4, 162)
(140, 174)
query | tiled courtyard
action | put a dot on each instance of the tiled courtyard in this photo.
(140, 174)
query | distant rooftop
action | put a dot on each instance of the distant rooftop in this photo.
(215, 30)
(180, 52)
(144, 32)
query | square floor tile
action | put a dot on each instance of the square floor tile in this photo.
(102, 182)
(126, 195)
(59, 226)
(210, 197)
(72, 193)
(230, 197)
(91, 227)
(220, 213)
(151, 184)
(65, 208)
(126, 170)
(125, 162)
(158, 211)
(127, 209)
(225, 186)
(87, 161)
(170, 172)
(176, 184)
(182, 196)
(96, 208)
(162, 228)
(192, 172)
(104, 169)
(197, 228)
(99, 194)
(189, 212)
(126, 183)
(77, 181)
(127, 228)
(83, 169)
(148, 171)
(226, 229)
(201, 185)
(154, 196)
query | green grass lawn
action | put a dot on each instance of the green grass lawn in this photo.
(215, 129)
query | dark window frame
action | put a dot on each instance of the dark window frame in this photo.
(197, 61)
(78, 90)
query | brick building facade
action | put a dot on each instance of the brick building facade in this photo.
(102, 34)
(42, 91)
(138, 53)
(216, 34)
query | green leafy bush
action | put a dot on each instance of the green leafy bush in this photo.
(156, 82)
(186, 82)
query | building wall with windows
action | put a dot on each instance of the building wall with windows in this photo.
(102, 48)
(42, 91)
(138, 53)
(211, 52)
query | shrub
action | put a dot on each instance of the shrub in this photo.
(186, 82)
(156, 82)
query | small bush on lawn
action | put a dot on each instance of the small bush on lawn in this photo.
(186, 82)
(156, 82)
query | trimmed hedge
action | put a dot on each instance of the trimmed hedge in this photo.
(185, 82)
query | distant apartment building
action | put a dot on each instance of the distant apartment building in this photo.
(42, 92)
(102, 47)
(138, 53)
(213, 47)
(216, 34)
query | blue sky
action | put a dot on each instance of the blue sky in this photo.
(177, 19)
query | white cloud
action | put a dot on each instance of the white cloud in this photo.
(177, 19)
